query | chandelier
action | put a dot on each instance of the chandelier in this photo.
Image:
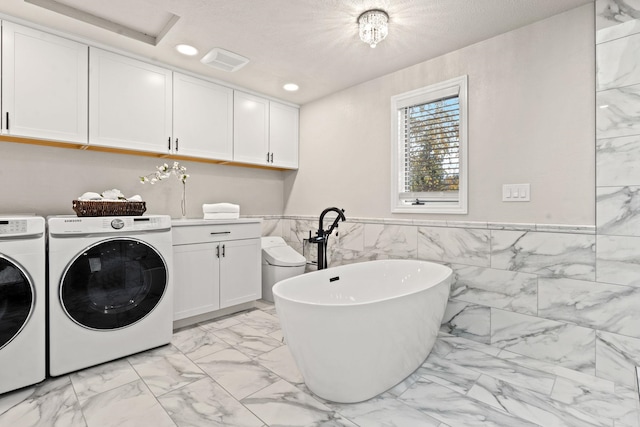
(374, 26)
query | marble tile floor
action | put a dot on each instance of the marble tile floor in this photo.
(236, 371)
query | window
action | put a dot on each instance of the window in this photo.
(429, 149)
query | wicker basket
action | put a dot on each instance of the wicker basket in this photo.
(102, 208)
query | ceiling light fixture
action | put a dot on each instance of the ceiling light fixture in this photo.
(291, 87)
(374, 26)
(186, 49)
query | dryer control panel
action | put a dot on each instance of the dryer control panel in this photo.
(21, 227)
(14, 226)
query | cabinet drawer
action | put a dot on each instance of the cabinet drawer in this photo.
(214, 233)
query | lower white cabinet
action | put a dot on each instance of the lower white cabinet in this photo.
(196, 273)
(215, 266)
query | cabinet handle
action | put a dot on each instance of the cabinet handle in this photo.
(169, 144)
(267, 157)
(223, 251)
(271, 157)
(7, 120)
(220, 232)
(218, 251)
(176, 145)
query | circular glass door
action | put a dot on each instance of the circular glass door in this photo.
(113, 284)
(16, 300)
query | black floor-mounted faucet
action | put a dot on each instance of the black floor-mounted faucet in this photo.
(322, 236)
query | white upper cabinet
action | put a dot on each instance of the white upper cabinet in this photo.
(130, 103)
(58, 89)
(202, 118)
(283, 135)
(44, 85)
(250, 129)
(265, 132)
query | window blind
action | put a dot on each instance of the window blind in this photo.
(430, 135)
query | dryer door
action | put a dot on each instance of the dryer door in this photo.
(17, 300)
(113, 284)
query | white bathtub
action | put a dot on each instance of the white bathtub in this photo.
(358, 330)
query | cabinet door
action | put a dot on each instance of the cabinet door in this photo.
(250, 128)
(283, 135)
(130, 103)
(202, 118)
(44, 85)
(240, 272)
(196, 280)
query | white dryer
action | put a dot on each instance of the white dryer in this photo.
(22, 301)
(110, 288)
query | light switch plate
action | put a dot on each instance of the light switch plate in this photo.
(516, 192)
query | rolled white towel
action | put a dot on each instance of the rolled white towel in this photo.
(222, 215)
(114, 194)
(220, 208)
(136, 198)
(89, 196)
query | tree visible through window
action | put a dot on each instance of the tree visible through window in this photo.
(429, 149)
(432, 146)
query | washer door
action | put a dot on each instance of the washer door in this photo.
(17, 297)
(113, 284)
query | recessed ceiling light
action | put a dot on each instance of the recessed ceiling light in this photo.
(186, 49)
(291, 87)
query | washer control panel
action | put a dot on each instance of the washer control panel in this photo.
(99, 225)
(13, 226)
(117, 223)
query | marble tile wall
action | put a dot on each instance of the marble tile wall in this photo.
(541, 291)
(526, 288)
(566, 295)
(617, 197)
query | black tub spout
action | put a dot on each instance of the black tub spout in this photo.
(322, 236)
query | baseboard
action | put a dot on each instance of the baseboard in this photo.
(177, 324)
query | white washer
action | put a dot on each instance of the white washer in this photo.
(110, 288)
(22, 302)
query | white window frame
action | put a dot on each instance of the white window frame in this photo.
(425, 95)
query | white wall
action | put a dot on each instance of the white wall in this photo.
(531, 120)
(45, 180)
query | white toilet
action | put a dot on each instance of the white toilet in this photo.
(279, 261)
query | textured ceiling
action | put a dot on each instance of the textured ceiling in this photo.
(313, 43)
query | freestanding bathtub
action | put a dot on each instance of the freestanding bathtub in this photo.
(357, 330)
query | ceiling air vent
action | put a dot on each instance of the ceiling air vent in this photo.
(224, 60)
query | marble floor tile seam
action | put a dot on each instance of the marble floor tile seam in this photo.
(541, 396)
(73, 386)
(469, 394)
(159, 396)
(75, 393)
(503, 369)
(459, 410)
(156, 397)
(548, 396)
(531, 406)
(537, 365)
